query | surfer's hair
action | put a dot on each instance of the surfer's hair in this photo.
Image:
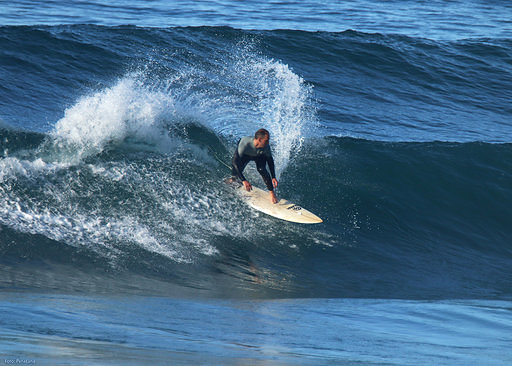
(261, 133)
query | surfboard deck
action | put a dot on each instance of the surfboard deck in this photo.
(285, 210)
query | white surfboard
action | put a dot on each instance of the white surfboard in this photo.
(285, 210)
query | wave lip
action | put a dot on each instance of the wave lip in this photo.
(110, 116)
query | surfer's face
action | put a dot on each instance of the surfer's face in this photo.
(261, 142)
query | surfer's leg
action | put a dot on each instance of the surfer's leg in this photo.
(261, 166)
(238, 165)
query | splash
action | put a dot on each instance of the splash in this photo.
(241, 92)
(286, 110)
(109, 117)
(277, 99)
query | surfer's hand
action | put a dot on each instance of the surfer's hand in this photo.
(274, 182)
(247, 185)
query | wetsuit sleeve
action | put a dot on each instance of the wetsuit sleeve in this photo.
(271, 165)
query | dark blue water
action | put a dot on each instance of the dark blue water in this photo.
(391, 121)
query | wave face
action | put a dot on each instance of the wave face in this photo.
(112, 137)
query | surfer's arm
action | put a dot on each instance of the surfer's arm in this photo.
(271, 166)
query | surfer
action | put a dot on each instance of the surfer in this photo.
(255, 149)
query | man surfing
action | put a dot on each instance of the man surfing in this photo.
(255, 149)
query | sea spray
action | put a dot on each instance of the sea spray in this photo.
(238, 92)
(281, 100)
(109, 116)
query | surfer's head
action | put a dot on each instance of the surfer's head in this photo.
(261, 138)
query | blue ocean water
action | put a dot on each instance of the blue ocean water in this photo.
(119, 243)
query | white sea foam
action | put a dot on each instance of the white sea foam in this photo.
(108, 117)
(11, 168)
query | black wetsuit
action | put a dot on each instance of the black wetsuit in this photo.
(246, 152)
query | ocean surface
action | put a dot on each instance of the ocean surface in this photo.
(121, 245)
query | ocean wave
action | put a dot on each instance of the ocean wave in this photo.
(119, 165)
(391, 211)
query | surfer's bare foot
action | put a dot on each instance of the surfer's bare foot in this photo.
(247, 185)
(273, 197)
